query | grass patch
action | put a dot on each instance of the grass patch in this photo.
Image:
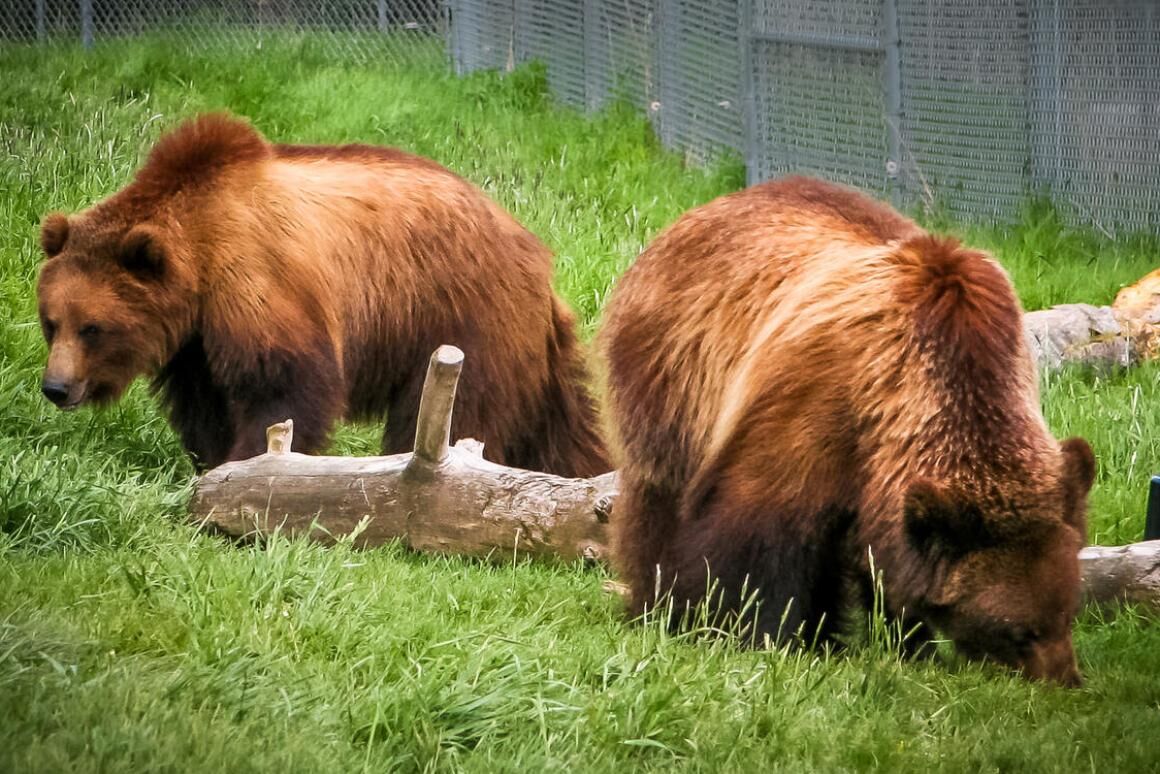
(128, 642)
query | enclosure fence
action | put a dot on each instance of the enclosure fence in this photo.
(359, 30)
(973, 106)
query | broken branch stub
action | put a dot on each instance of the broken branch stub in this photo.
(279, 437)
(433, 427)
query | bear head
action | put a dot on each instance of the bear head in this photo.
(1008, 584)
(115, 302)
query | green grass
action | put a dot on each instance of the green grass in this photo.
(129, 642)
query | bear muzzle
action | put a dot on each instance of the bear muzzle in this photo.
(63, 394)
(1054, 662)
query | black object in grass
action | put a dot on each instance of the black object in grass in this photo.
(1152, 520)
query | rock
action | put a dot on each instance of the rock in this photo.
(1077, 333)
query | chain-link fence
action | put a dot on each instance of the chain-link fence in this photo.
(356, 29)
(972, 105)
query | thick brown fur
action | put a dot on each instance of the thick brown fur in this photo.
(801, 378)
(257, 282)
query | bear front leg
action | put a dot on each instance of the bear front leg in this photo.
(305, 388)
(772, 576)
(314, 415)
(198, 408)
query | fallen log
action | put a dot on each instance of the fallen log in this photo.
(449, 499)
(1115, 574)
(438, 498)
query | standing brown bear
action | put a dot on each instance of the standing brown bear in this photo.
(257, 282)
(803, 379)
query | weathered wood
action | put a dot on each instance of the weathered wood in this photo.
(433, 428)
(1077, 333)
(467, 505)
(438, 498)
(463, 505)
(1130, 573)
(279, 437)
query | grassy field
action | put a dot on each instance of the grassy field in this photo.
(129, 642)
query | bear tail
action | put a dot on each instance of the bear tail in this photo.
(567, 440)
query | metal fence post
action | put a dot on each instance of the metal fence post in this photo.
(40, 19)
(382, 9)
(746, 19)
(452, 15)
(87, 23)
(591, 35)
(1152, 519)
(665, 47)
(893, 89)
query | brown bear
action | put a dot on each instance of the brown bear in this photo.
(805, 382)
(257, 281)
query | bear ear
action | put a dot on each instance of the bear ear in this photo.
(53, 234)
(1079, 466)
(143, 252)
(1079, 474)
(935, 523)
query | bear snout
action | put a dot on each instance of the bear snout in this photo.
(64, 395)
(1054, 662)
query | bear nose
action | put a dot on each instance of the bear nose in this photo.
(55, 391)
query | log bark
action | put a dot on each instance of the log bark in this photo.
(467, 505)
(1114, 574)
(449, 499)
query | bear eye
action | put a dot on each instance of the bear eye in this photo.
(49, 328)
(89, 332)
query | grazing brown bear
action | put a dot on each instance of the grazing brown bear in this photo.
(257, 282)
(802, 378)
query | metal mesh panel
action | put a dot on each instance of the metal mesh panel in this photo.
(482, 35)
(1095, 86)
(826, 22)
(552, 31)
(699, 53)
(819, 111)
(979, 103)
(621, 48)
(38, 19)
(964, 71)
(357, 29)
(817, 91)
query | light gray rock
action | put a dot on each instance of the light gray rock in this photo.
(1077, 333)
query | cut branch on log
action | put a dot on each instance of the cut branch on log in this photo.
(449, 499)
(433, 428)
